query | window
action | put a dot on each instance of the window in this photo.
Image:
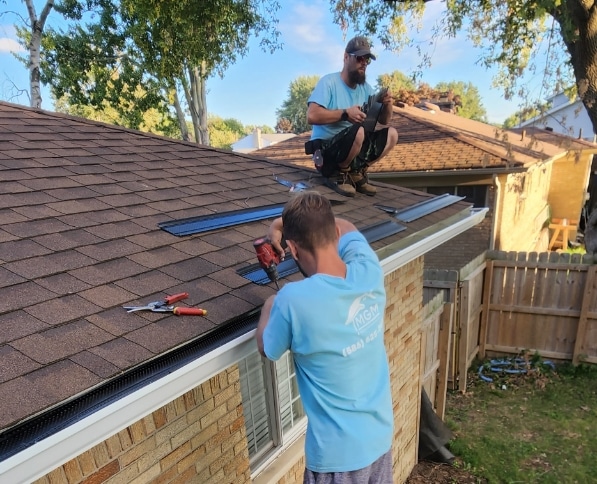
(272, 407)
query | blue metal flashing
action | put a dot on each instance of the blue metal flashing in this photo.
(205, 223)
(372, 233)
(418, 210)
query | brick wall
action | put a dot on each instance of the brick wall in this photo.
(404, 290)
(199, 437)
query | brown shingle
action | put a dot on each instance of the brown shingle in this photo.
(62, 309)
(57, 343)
(14, 363)
(80, 237)
(122, 353)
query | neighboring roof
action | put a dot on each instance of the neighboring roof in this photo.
(435, 141)
(80, 204)
(250, 142)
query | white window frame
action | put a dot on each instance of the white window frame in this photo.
(280, 440)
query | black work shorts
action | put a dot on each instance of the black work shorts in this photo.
(336, 149)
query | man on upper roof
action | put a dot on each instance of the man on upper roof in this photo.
(334, 110)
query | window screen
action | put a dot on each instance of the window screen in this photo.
(255, 396)
(291, 408)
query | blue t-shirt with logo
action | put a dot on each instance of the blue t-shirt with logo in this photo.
(331, 92)
(334, 328)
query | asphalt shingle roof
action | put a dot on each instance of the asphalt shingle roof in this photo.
(439, 141)
(79, 206)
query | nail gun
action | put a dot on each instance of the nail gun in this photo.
(268, 258)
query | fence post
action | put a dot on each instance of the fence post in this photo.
(445, 338)
(463, 343)
(582, 320)
(485, 316)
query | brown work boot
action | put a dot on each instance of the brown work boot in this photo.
(361, 182)
(341, 183)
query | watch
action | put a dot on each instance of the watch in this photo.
(344, 116)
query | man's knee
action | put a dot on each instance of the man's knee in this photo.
(359, 138)
(392, 138)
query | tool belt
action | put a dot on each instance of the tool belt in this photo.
(312, 146)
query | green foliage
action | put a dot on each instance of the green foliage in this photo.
(224, 132)
(137, 55)
(294, 107)
(550, 39)
(472, 107)
(396, 81)
(525, 114)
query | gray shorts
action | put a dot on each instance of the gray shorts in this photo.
(380, 472)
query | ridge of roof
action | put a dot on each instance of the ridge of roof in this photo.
(490, 138)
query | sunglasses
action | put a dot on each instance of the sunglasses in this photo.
(361, 58)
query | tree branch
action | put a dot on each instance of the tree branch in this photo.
(45, 12)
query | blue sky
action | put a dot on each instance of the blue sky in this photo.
(256, 85)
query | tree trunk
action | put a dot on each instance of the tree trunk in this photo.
(198, 103)
(182, 122)
(582, 46)
(37, 28)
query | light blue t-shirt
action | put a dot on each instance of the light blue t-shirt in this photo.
(332, 93)
(334, 328)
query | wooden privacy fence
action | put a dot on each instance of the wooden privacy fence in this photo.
(435, 347)
(463, 290)
(543, 302)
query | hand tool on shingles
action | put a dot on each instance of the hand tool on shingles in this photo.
(165, 306)
(294, 187)
(268, 258)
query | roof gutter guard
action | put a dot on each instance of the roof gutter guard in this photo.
(47, 454)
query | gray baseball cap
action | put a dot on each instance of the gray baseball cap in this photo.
(359, 46)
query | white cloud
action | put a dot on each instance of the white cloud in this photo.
(308, 29)
(10, 45)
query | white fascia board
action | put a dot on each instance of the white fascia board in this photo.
(46, 455)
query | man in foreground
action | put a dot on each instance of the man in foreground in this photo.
(332, 322)
(334, 110)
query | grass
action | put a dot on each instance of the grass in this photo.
(540, 427)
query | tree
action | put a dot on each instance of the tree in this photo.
(294, 107)
(168, 49)
(395, 81)
(33, 38)
(471, 106)
(153, 120)
(512, 34)
(525, 114)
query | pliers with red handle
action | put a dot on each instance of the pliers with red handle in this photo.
(165, 306)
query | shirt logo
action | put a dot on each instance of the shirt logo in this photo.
(363, 312)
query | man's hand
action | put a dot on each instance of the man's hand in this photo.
(355, 115)
(388, 99)
(274, 235)
(388, 108)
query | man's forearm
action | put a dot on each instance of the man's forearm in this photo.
(386, 114)
(263, 320)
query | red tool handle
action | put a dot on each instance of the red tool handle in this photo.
(176, 297)
(189, 312)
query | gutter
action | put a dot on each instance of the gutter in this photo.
(455, 172)
(46, 455)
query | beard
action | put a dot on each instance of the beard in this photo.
(355, 77)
